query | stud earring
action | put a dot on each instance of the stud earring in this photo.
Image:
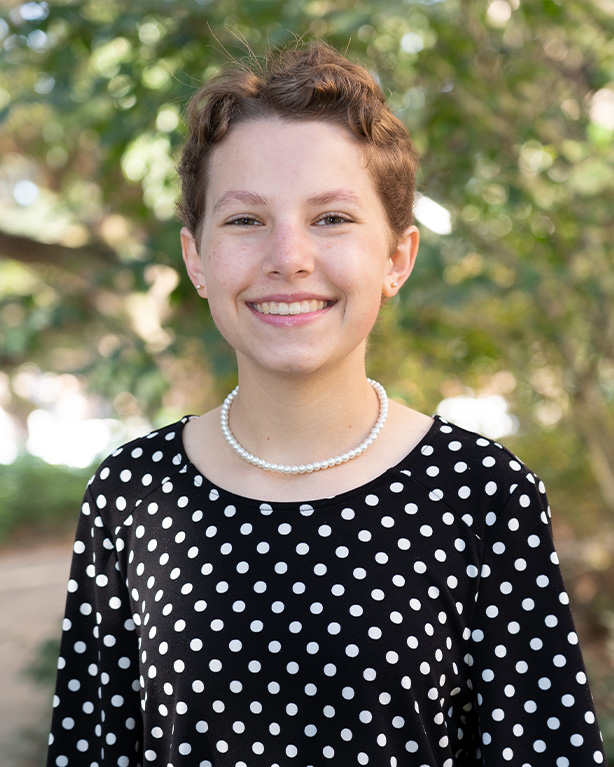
(394, 284)
(198, 286)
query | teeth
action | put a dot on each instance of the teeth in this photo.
(296, 307)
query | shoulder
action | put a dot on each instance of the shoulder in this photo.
(135, 470)
(478, 479)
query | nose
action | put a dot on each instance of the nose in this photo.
(290, 252)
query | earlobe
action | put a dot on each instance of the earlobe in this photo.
(193, 261)
(402, 261)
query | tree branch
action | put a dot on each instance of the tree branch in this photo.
(29, 251)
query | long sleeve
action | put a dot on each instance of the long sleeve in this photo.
(535, 707)
(97, 710)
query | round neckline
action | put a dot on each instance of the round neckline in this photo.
(303, 504)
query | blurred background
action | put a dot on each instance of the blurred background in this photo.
(506, 326)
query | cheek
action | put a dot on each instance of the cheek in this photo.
(222, 270)
(223, 316)
(368, 303)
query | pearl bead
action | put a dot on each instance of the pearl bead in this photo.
(261, 463)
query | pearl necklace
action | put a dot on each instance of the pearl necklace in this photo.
(305, 468)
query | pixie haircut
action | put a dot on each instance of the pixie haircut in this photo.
(307, 82)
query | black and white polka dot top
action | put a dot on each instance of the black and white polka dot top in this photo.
(417, 621)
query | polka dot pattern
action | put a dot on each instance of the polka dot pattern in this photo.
(417, 621)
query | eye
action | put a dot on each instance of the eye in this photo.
(243, 221)
(332, 219)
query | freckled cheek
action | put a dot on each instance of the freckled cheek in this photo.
(227, 269)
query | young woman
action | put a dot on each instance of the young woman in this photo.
(312, 574)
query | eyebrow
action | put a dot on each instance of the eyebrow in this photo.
(335, 195)
(237, 195)
(251, 198)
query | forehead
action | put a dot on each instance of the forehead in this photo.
(274, 155)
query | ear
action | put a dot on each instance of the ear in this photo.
(401, 261)
(193, 261)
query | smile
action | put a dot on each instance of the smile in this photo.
(295, 307)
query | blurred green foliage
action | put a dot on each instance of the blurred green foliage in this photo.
(43, 669)
(38, 499)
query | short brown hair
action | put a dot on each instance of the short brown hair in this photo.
(305, 82)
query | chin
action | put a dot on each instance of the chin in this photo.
(295, 370)
(293, 366)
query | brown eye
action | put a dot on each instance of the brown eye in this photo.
(332, 219)
(242, 221)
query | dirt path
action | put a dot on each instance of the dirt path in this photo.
(32, 594)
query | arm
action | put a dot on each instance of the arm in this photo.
(97, 713)
(535, 706)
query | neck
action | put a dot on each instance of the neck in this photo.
(298, 420)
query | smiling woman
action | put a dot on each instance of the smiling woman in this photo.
(295, 237)
(311, 571)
